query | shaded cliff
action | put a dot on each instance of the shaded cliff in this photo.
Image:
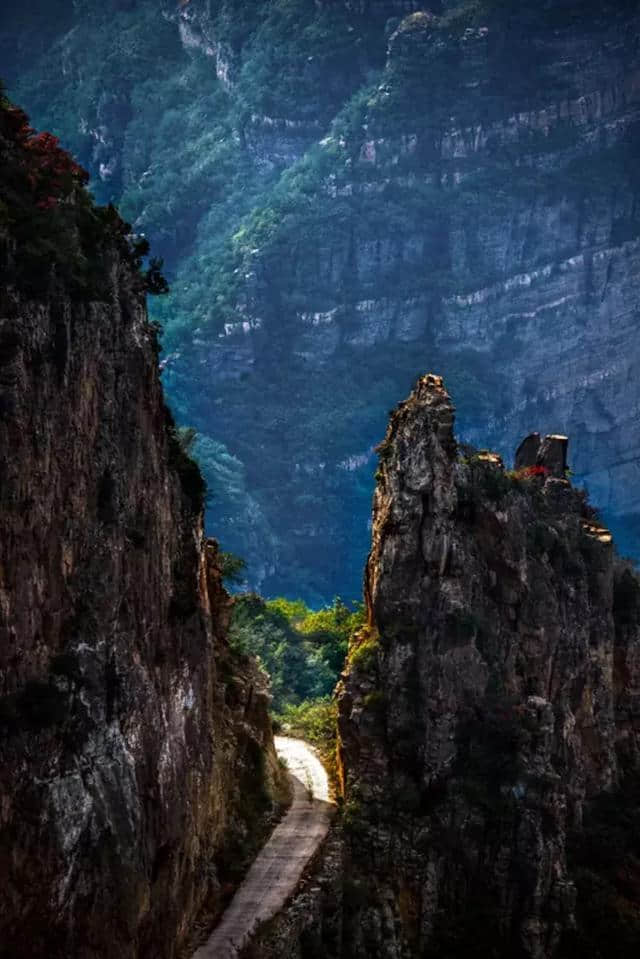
(136, 758)
(490, 712)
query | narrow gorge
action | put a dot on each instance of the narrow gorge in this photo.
(275, 684)
(489, 718)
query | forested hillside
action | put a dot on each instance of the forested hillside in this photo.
(347, 194)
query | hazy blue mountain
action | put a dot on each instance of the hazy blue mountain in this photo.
(347, 195)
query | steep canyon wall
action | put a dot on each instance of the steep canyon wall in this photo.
(490, 711)
(135, 748)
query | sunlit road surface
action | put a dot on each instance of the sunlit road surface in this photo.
(275, 874)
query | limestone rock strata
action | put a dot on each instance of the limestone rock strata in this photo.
(478, 213)
(492, 700)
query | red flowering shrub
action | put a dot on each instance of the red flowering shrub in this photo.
(52, 173)
(57, 229)
(529, 471)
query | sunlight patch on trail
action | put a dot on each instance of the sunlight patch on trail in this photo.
(304, 765)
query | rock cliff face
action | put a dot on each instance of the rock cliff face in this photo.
(135, 747)
(490, 708)
(474, 208)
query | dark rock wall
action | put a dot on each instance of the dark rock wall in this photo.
(135, 748)
(493, 698)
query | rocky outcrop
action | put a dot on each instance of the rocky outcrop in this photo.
(198, 33)
(490, 706)
(136, 755)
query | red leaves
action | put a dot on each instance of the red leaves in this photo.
(47, 203)
(51, 173)
(537, 471)
(528, 471)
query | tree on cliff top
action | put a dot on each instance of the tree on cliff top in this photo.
(46, 209)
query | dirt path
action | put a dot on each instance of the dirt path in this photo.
(275, 874)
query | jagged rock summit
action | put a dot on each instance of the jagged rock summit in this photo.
(492, 703)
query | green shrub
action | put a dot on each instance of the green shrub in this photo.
(313, 720)
(302, 650)
(353, 818)
(495, 483)
(232, 567)
(364, 656)
(188, 471)
(154, 281)
(316, 722)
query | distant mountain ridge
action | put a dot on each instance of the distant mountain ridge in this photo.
(347, 194)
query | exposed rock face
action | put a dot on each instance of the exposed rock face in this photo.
(493, 698)
(135, 747)
(197, 32)
(479, 213)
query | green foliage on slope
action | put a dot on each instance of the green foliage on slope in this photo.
(302, 650)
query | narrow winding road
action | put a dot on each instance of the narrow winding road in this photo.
(275, 874)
